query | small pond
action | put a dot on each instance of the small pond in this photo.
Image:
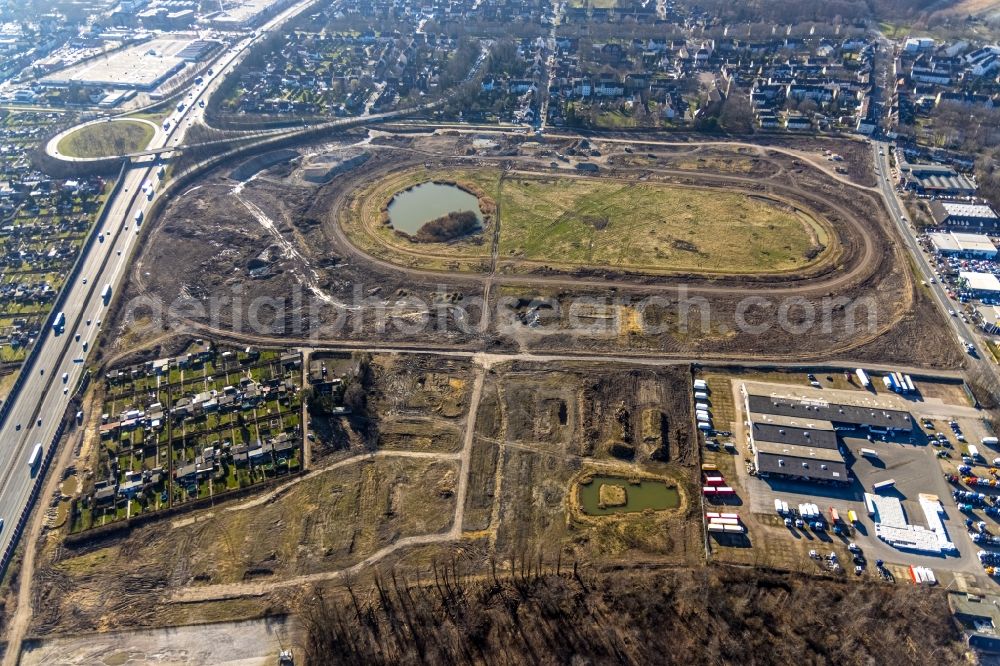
(419, 205)
(647, 494)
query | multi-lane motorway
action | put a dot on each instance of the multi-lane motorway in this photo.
(36, 409)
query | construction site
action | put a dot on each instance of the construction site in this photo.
(507, 385)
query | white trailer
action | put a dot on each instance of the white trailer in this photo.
(863, 377)
(36, 456)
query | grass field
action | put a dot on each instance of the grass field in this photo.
(571, 222)
(586, 221)
(107, 139)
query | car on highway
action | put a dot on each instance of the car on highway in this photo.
(85, 280)
(952, 313)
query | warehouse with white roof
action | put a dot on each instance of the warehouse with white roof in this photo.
(958, 244)
(962, 215)
(980, 284)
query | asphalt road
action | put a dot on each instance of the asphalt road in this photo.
(963, 331)
(37, 409)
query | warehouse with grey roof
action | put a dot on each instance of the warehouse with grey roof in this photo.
(793, 430)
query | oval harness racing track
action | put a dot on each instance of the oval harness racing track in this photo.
(865, 255)
(862, 256)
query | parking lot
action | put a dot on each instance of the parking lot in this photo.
(911, 460)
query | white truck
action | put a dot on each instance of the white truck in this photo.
(36, 456)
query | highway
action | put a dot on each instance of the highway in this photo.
(37, 408)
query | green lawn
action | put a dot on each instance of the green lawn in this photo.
(107, 139)
(589, 221)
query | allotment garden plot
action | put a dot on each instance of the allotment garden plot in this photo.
(193, 426)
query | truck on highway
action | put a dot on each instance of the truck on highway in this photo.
(59, 324)
(138, 217)
(106, 294)
(36, 456)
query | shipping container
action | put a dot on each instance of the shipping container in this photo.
(834, 516)
(724, 490)
(702, 425)
(973, 451)
(700, 385)
(784, 507)
(709, 467)
(730, 515)
(852, 516)
(989, 441)
(888, 483)
(713, 527)
(863, 377)
(700, 395)
(869, 453)
(708, 490)
(714, 481)
(909, 384)
(713, 515)
(777, 505)
(738, 529)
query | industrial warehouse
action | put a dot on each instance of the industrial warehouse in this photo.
(793, 429)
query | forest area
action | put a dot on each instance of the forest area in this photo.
(674, 616)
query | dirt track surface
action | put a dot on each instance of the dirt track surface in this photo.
(225, 228)
(249, 643)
